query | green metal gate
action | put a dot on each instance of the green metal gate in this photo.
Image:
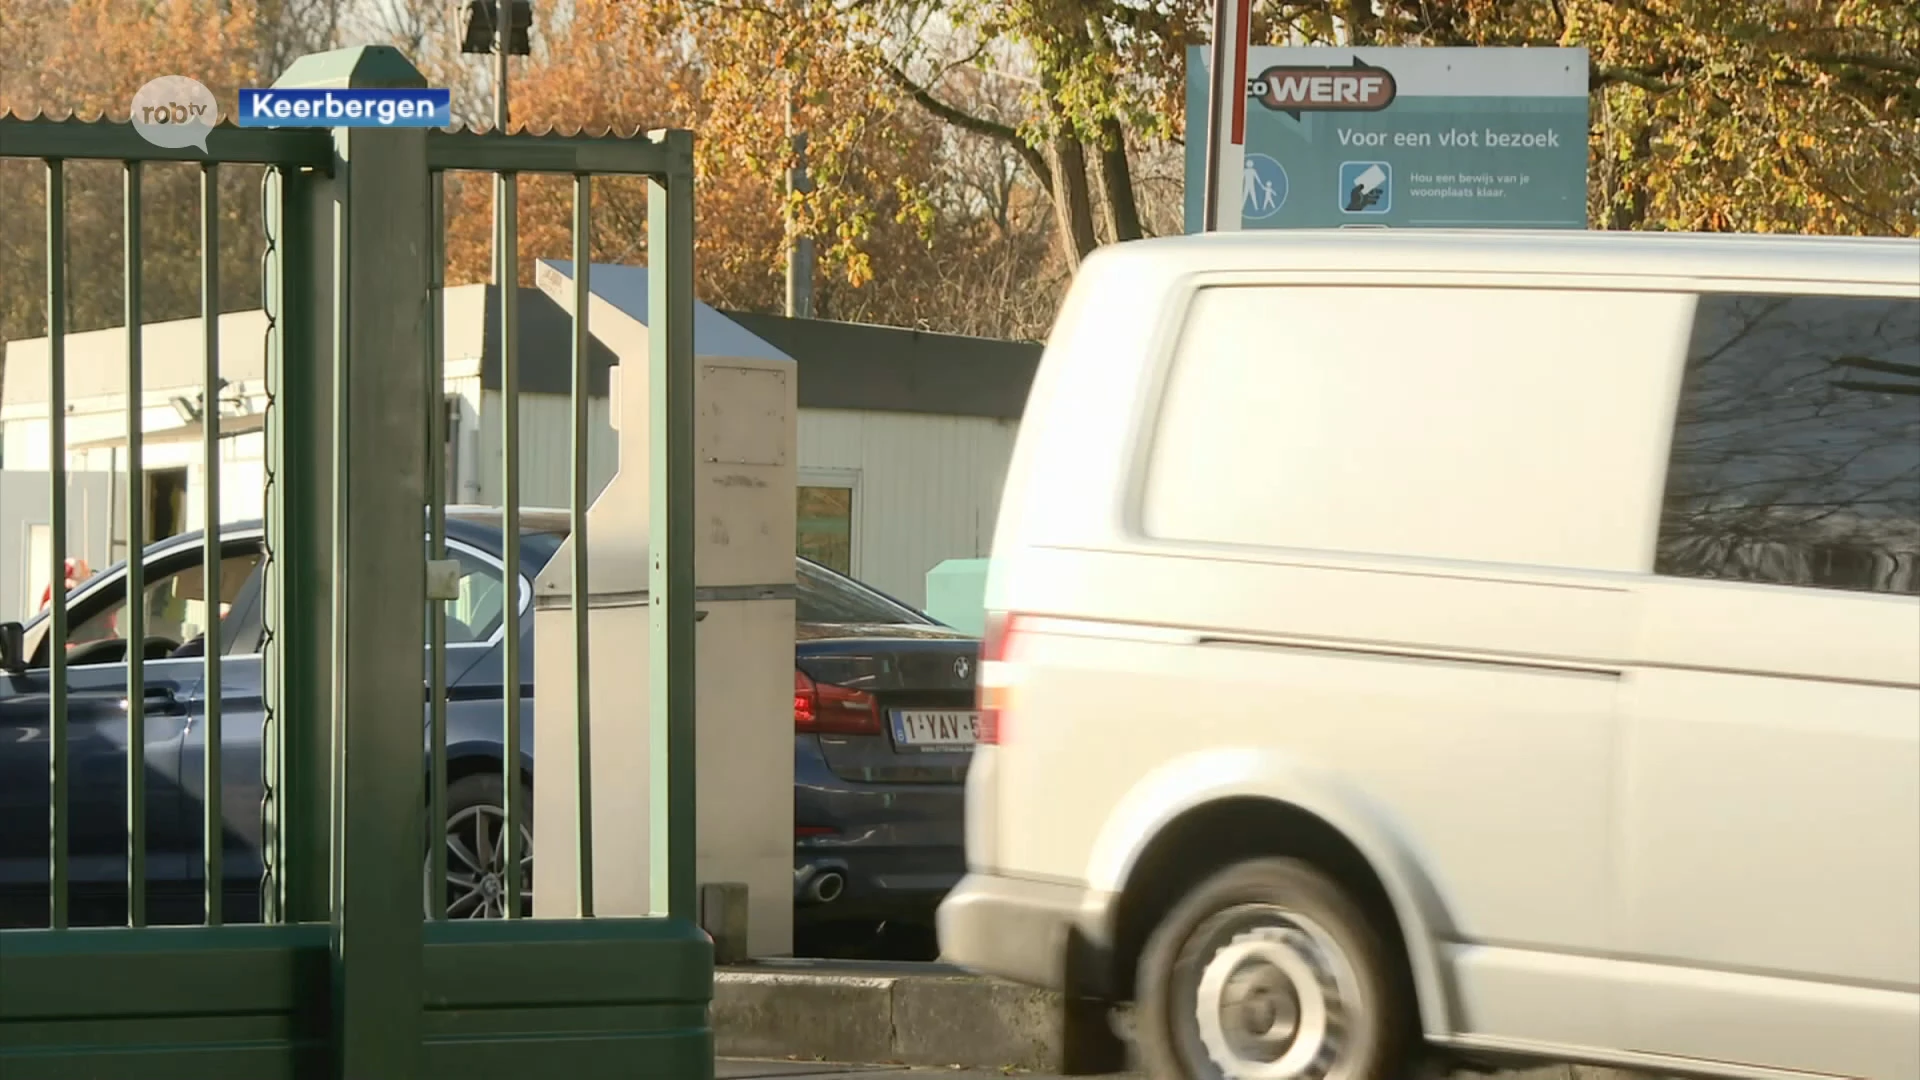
(344, 977)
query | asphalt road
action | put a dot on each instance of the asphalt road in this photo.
(738, 1069)
(744, 1069)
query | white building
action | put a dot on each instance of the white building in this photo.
(904, 436)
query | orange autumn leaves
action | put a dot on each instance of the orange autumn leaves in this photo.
(726, 73)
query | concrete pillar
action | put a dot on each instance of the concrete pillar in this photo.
(745, 486)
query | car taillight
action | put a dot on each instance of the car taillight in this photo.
(996, 649)
(825, 709)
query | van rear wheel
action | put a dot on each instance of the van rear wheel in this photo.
(1270, 971)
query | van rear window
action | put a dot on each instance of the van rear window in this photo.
(1796, 445)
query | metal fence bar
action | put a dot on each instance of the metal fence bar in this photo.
(273, 715)
(136, 566)
(671, 418)
(214, 827)
(507, 258)
(490, 151)
(57, 762)
(577, 512)
(437, 544)
(105, 140)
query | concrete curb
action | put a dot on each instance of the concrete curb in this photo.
(930, 1014)
(905, 1013)
(910, 1014)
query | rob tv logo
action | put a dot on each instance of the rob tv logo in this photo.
(174, 112)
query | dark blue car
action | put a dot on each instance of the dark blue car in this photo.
(883, 715)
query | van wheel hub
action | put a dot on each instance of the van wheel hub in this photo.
(1270, 1005)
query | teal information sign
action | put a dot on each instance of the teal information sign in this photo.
(1399, 138)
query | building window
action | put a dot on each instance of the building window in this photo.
(825, 526)
(166, 509)
(1796, 450)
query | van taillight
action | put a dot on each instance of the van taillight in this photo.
(996, 649)
(825, 709)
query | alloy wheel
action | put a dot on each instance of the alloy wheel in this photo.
(476, 864)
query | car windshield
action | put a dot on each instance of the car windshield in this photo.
(822, 596)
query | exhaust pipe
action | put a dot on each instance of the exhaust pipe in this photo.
(826, 887)
(819, 883)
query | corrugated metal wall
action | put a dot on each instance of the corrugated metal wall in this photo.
(98, 491)
(25, 559)
(927, 488)
(546, 454)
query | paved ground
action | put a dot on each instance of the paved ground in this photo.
(739, 1069)
(744, 1069)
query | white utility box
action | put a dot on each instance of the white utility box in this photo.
(745, 488)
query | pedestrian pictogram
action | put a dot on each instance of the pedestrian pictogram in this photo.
(1263, 187)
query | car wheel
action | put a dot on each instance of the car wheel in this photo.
(1270, 971)
(476, 831)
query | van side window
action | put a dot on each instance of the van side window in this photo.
(1523, 427)
(1796, 447)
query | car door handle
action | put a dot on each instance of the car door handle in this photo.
(161, 699)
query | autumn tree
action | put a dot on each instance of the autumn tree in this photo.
(90, 57)
(1758, 115)
(990, 269)
(890, 229)
(1755, 115)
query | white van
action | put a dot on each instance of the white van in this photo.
(1504, 643)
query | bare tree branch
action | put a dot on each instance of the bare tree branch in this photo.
(1861, 60)
(966, 121)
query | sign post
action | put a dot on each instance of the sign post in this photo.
(1322, 137)
(1226, 114)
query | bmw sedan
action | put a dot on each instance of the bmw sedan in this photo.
(882, 710)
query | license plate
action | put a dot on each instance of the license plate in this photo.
(935, 729)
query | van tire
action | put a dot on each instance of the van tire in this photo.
(1285, 910)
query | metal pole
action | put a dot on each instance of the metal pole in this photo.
(799, 245)
(1221, 55)
(670, 581)
(1226, 116)
(437, 544)
(502, 38)
(57, 749)
(136, 590)
(577, 518)
(507, 241)
(213, 821)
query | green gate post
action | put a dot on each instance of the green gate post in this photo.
(672, 370)
(297, 822)
(379, 313)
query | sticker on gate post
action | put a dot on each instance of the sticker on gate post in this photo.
(175, 112)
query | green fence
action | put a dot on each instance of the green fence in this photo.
(359, 966)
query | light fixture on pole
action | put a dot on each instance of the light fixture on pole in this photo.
(799, 243)
(482, 33)
(478, 26)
